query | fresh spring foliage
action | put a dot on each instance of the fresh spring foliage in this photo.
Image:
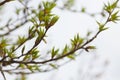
(29, 61)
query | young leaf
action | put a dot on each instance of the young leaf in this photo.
(90, 48)
(53, 20)
(65, 50)
(53, 65)
(54, 52)
(115, 17)
(71, 57)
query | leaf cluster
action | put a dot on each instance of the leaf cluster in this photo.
(24, 60)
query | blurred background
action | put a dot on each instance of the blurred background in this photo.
(101, 64)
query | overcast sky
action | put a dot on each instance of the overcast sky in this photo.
(108, 44)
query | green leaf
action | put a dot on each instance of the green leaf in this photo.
(65, 50)
(54, 52)
(90, 48)
(18, 11)
(53, 65)
(105, 28)
(41, 15)
(114, 4)
(30, 68)
(110, 6)
(83, 9)
(49, 5)
(71, 57)
(77, 41)
(69, 3)
(89, 33)
(22, 65)
(12, 48)
(114, 17)
(32, 55)
(101, 26)
(3, 43)
(21, 39)
(53, 20)
(34, 51)
(27, 58)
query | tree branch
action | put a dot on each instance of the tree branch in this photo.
(4, 2)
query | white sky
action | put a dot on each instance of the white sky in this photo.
(108, 44)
